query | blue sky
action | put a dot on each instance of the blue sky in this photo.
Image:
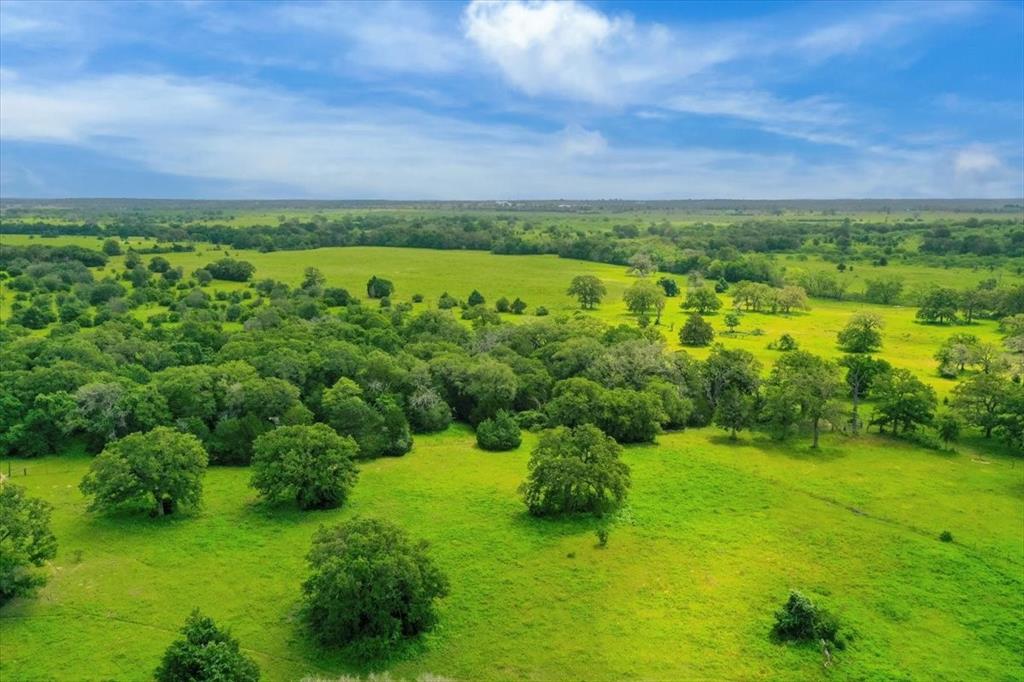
(489, 100)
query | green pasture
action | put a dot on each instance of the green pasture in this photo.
(714, 536)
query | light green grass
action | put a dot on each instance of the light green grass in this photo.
(713, 538)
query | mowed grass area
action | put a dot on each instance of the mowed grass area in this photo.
(714, 536)
(543, 280)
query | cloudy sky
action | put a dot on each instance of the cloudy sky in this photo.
(519, 99)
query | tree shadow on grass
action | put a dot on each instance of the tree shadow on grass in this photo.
(331, 661)
(796, 447)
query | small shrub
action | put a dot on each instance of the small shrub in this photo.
(499, 433)
(801, 620)
(417, 298)
(531, 420)
(541, 311)
(205, 652)
(602, 537)
(946, 536)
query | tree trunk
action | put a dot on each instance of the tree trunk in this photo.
(815, 443)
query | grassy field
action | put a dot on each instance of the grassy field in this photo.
(714, 536)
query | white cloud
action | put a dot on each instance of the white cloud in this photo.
(253, 138)
(975, 161)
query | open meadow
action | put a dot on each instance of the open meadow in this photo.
(714, 535)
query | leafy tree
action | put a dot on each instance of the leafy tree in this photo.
(394, 438)
(44, 427)
(902, 401)
(643, 298)
(162, 467)
(370, 586)
(861, 372)
(518, 306)
(801, 620)
(205, 652)
(159, 264)
(377, 287)
(447, 301)
(575, 471)
(312, 278)
(862, 333)
(948, 428)
(732, 320)
(885, 291)
(475, 298)
(979, 400)
(790, 298)
(428, 412)
(311, 464)
(802, 387)
(731, 382)
(501, 305)
(112, 247)
(642, 264)
(956, 352)
(588, 290)
(501, 432)
(785, 343)
(26, 541)
(696, 332)
(347, 413)
(702, 300)
(939, 305)
(336, 296)
(669, 286)
(231, 270)
(974, 302)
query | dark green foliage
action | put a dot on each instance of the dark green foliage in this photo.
(696, 332)
(541, 311)
(802, 388)
(26, 541)
(885, 291)
(162, 468)
(785, 343)
(575, 471)
(475, 298)
(205, 653)
(502, 305)
(939, 305)
(231, 270)
(310, 464)
(669, 286)
(946, 536)
(447, 301)
(500, 432)
(801, 620)
(428, 412)
(861, 372)
(626, 415)
(731, 381)
(518, 306)
(112, 247)
(702, 300)
(370, 586)
(377, 287)
(902, 401)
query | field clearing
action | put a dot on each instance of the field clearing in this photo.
(714, 536)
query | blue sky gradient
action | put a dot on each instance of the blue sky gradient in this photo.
(489, 100)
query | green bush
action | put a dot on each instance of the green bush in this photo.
(205, 652)
(801, 620)
(370, 586)
(501, 432)
(311, 464)
(26, 541)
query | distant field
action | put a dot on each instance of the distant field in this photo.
(713, 538)
(542, 280)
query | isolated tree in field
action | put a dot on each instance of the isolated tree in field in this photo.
(802, 387)
(163, 468)
(669, 286)
(312, 278)
(447, 301)
(801, 620)
(205, 652)
(790, 298)
(475, 298)
(732, 320)
(370, 586)
(518, 306)
(956, 352)
(731, 382)
(979, 400)
(159, 264)
(696, 332)
(574, 471)
(231, 270)
(501, 305)
(861, 372)
(500, 432)
(377, 287)
(310, 464)
(642, 264)
(643, 298)
(702, 300)
(112, 247)
(862, 334)
(939, 305)
(26, 541)
(588, 290)
(902, 401)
